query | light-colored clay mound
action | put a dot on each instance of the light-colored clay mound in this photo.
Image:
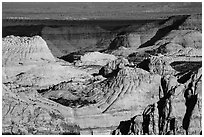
(17, 51)
(96, 58)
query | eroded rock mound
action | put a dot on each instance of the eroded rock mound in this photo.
(17, 51)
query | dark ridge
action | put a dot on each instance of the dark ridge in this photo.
(185, 66)
(22, 31)
(73, 103)
(177, 21)
(71, 57)
(59, 86)
(51, 22)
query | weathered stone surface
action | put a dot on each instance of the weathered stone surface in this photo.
(27, 112)
(131, 40)
(193, 22)
(19, 51)
(186, 38)
(112, 68)
(95, 58)
(178, 112)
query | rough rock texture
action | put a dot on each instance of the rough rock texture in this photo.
(112, 68)
(29, 62)
(150, 34)
(129, 41)
(19, 51)
(136, 124)
(186, 38)
(174, 50)
(106, 101)
(193, 22)
(27, 112)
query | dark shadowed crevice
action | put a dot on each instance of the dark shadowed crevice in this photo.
(184, 77)
(109, 75)
(71, 57)
(184, 66)
(73, 103)
(190, 105)
(144, 65)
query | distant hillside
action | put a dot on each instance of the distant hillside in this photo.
(102, 10)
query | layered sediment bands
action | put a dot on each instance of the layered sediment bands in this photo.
(64, 37)
(104, 94)
(116, 96)
(29, 62)
(107, 100)
(28, 113)
(76, 38)
(146, 35)
(25, 50)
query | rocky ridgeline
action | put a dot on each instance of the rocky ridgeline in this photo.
(126, 86)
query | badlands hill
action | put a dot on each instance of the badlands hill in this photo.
(99, 92)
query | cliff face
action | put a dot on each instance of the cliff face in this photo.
(118, 91)
(73, 39)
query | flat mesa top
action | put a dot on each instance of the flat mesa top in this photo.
(97, 10)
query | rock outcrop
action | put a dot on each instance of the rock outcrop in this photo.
(27, 112)
(111, 69)
(95, 58)
(18, 51)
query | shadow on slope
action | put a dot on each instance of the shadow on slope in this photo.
(175, 22)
